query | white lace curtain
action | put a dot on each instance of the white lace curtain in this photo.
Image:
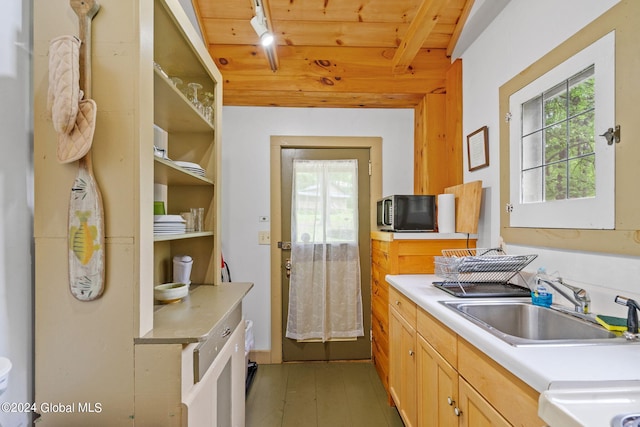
(325, 302)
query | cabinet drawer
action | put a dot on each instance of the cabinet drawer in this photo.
(405, 307)
(514, 399)
(441, 338)
(206, 352)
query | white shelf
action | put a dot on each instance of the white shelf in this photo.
(168, 173)
(182, 236)
(172, 110)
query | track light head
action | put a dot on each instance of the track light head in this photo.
(259, 24)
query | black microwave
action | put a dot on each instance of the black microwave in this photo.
(407, 213)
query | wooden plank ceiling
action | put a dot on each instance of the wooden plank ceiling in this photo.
(334, 53)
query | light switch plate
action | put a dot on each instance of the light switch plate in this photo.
(264, 238)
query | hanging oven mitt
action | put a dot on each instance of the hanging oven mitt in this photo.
(73, 118)
(64, 82)
(75, 144)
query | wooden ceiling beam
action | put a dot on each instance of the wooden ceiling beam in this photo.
(422, 25)
(271, 98)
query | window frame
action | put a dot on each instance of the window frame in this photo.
(585, 213)
(625, 238)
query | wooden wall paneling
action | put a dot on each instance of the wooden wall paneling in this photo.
(438, 136)
(453, 130)
(430, 155)
(419, 149)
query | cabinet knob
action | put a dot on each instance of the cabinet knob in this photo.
(397, 302)
(411, 353)
(457, 411)
(450, 401)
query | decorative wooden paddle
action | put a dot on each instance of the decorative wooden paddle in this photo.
(86, 215)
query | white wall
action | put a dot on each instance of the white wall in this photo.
(246, 189)
(521, 34)
(16, 206)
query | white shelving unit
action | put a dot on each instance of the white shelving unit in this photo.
(191, 138)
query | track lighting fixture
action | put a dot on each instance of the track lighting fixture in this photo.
(259, 24)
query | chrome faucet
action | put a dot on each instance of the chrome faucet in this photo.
(580, 300)
(632, 316)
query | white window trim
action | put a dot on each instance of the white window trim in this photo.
(588, 213)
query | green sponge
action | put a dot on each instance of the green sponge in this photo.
(612, 323)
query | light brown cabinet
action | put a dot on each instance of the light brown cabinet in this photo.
(397, 256)
(439, 388)
(450, 383)
(476, 411)
(402, 340)
(445, 399)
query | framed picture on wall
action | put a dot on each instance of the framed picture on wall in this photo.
(478, 148)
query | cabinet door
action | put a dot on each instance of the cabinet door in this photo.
(437, 388)
(402, 376)
(476, 411)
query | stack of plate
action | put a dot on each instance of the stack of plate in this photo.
(191, 167)
(169, 224)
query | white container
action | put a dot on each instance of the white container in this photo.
(182, 265)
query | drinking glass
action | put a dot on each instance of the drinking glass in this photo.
(193, 95)
(207, 106)
(197, 214)
(178, 83)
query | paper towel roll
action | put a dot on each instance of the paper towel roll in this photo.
(446, 213)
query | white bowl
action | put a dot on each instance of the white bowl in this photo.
(170, 292)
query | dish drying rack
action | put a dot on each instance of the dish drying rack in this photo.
(479, 267)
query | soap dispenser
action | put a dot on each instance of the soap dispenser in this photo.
(541, 295)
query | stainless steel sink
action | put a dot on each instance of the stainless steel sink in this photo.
(522, 323)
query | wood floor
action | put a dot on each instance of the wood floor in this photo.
(319, 394)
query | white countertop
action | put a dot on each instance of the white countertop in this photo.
(537, 366)
(424, 235)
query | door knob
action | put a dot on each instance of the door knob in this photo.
(287, 266)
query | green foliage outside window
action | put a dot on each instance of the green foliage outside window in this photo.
(564, 140)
